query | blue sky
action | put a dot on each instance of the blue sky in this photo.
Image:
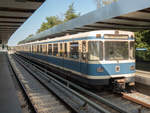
(49, 8)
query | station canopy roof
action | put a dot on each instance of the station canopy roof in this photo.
(13, 13)
(131, 15)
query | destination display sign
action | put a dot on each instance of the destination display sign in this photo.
(116, 36)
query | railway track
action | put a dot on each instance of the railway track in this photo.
(78, 103)
(41, 98)
(125, 103)
(100, 102)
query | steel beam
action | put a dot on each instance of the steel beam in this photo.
(16, 22)
(9, 25)
(13, 13)
(13, 17)
(17, 10)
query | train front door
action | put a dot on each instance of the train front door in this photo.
(84, 59)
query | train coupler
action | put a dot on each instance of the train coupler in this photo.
(131, 84)
(119, 85)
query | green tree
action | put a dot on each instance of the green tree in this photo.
(143, 41)
(101, 3)
(30, 35)
(22, 41)
(50, 22)
(106, 2)
(55, 20)
(70, 13)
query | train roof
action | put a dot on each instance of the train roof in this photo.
(86, 34)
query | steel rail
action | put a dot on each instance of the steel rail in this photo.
(89, 93)
(96, 106)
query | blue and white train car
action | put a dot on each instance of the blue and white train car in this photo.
(95, 58)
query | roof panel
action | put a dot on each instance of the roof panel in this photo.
(13, 13)
(138, 14)
(12, 20)
(126, 21)
(20, 4)
(19, 14)
(123, 14)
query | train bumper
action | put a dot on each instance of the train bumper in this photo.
(130, 78)
(127, 77)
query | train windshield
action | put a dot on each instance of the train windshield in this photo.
(116, 50)
(95, 49)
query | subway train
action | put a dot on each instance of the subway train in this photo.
(104, 57)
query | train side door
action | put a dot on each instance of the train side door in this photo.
(65, 53)
(84, 59)
(74, 62)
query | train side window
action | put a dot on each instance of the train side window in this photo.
(32, 49)
(24, 48)
(49, 49)
(84, 50)
(101, 50)
(65, 50)
(74, 50)
(37, 48)
(29, 48)
(55, 49)
(40, 49)
(44, 48)
(61, 49)
(132, 50)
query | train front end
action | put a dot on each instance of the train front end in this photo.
(113, 58)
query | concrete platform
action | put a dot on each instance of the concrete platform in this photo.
(9, 102)
(143, 77)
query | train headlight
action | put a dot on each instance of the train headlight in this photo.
(132, 67)
(117, 68)
(100, 69)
